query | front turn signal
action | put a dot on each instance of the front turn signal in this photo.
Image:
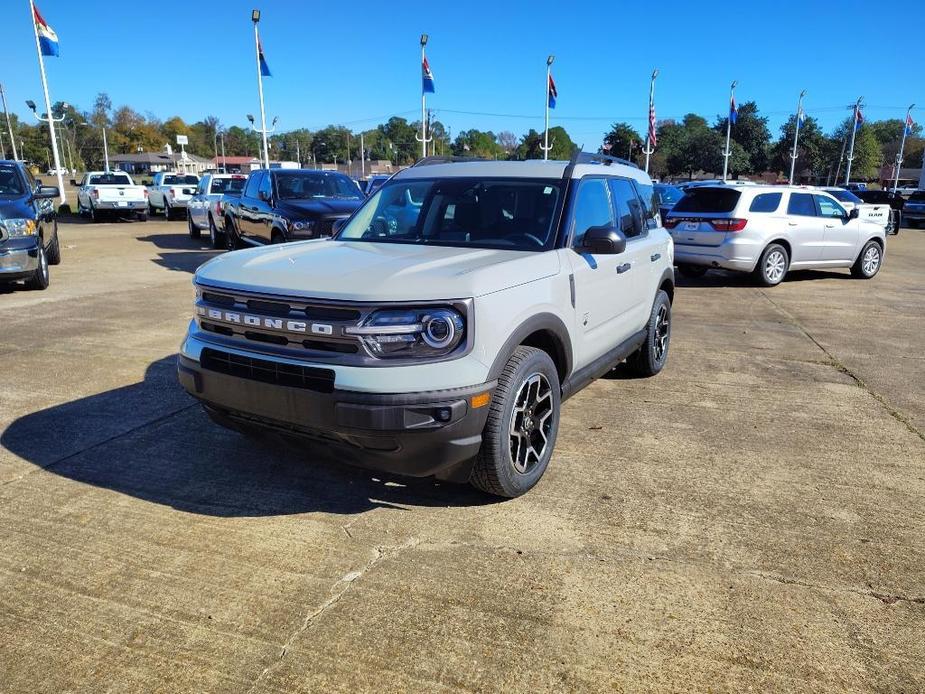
(480, 400)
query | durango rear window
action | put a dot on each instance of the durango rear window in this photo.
(707, 200)
(766, 202)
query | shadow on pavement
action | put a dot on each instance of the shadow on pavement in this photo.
(723, 278)
(181, 253)
(150, 440)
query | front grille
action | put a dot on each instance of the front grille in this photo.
(266, 371)
(274, 308)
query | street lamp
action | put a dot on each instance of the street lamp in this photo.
(255, 16)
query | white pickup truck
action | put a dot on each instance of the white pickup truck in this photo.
(170, 192)
(882, 215)
(111, 193)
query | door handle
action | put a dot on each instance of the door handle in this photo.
(792, 224)
(829, 226)
(623, 268)
(655, 257)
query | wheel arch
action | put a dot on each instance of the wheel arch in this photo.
(666, 283)
(545, 331)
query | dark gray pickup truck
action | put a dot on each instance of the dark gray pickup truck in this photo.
(28, 227)
(279, 205)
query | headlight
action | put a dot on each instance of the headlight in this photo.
(18, 228)
(423, 332)
(303, 226)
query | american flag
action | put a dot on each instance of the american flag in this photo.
(652, 138)
(910, 124)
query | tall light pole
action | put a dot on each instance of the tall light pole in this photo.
(9, 123)
(50, 120)
(255, 18)
(728, 152)
(796, 135)
(907, 127)
(854, 132)
(545, 146)
(427, 84)
(650, 137)
(263, 131)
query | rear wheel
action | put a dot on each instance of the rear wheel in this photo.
(167, 212)
(94, 216)
(693, 271)
(194, 232)
(651, 357)
(40, 278)
(523, 420)
(216, 238)
(869, 260)
(772, 266)
(232, 241)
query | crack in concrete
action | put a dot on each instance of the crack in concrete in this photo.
(342, 585)
(838, 365)
(886, 598)
(112, 438)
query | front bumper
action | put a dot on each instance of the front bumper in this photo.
(18, 263)
(435, 433)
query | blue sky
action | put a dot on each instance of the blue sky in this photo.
(358, 62)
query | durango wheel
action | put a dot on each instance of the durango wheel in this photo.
(773, 264)
(869, 260)
(523, 422)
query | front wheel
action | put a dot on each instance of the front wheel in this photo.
(54, 249)
(869, 260)
(523, 422)
(215, 236)
(772, 266)
(40, 278)
(194, 232)
(651, 357)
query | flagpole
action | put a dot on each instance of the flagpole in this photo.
(255, 18)
(51, 124)
(649, 150)
(796, 136)
(902, 146)
(423, 137)
(727, 153)
(854, 132)
(9, 123)
(545, 147)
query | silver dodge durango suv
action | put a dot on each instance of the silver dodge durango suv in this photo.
(768, 230)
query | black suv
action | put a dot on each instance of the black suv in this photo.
(28, 227)
(279, 205)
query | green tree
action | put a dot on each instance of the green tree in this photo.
(751, 131)
(621, 139)
(867, 153)
(398, 141)
(812, 153)
(530, 146)
(476, 143)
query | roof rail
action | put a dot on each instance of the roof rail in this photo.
(444, 159)
(579, 157)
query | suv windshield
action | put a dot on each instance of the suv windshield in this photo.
(512, 214)
(917, 196)
(110, 180)
(303, 185)
(180, 180)
(10, 181)
(707, 200)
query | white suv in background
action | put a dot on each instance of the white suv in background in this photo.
(769, 230)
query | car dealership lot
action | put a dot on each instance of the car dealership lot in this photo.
(751, 517)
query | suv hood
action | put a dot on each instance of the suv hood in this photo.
(362, 271)
(321, 207)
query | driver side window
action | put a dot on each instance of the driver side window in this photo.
(828, 207)
(592, 209)
(265, 190)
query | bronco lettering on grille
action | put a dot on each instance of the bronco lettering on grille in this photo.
(292, 326)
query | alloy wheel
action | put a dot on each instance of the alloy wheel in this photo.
(662, 332)
(531, 422)
(871, 260)
(774, 266)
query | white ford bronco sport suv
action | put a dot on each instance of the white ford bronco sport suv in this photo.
(439, 331)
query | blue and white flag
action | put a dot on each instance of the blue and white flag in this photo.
(858, 118)
(910, 124)
(801, 116)
(264, 68)
(427, 78)
(48, 39)
(733, 110)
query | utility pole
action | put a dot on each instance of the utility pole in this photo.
(907, 128)
(9, 123)
(732, 109)
(854, 132)
(796, 135)
(547, 93)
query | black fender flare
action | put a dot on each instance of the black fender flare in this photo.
(668, 275)
(541, 321)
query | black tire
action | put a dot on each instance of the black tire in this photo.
(869, 261)
(216, 237)
(772, 265)
(142, 217)
(232, 242)
(151, 209)
(651, 357)
(167, 211)
(499, 468)
(194, 232)
(54, 249)
(40, 278)
(94, 217)
(693, 271)
(277, 236)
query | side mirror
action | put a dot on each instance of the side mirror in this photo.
(46, 192)
(604, 240)
(74, 183)
(854, 214)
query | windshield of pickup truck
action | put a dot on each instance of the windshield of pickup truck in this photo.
(305, 185)
(110, 180)
(510, 214)
(10, 182)
(180, 181)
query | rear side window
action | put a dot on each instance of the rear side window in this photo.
(649, 198)
(766, 202)
(227, 185)
(630, 213)
(801, 204)
(251, 190)
(708, 200)
(592, 208)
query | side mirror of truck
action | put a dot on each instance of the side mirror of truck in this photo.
(46, 192)
(604, 240)
(189, 191)
(74, 183)
(854, 214)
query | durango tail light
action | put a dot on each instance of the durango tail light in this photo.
(728, 224)
(671, 223)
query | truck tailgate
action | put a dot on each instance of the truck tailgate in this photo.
(121, 193)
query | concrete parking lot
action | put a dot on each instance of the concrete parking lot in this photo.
(752, 518)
